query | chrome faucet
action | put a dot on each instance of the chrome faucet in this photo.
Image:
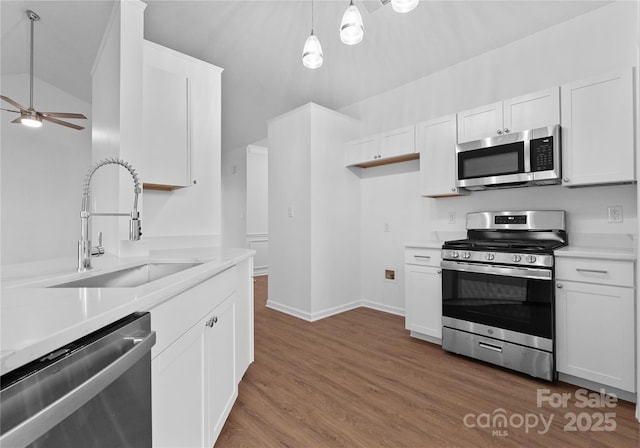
(85, 251)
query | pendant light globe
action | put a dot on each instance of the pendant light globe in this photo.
(312, 52)
(351, 28)
(403, 6)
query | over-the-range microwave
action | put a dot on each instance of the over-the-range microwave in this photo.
(525, 158)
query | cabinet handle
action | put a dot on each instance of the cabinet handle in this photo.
(566, 179)
(453, 188)
(426, 257)
(439, 271)
(593, 271)
(559, 285)
(506, 130)
(211, 322)
(499, 132)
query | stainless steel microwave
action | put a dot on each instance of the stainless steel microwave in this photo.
(521, 159)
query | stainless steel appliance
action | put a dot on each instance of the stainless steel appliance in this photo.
(520, 159)
(498, 298)
(95, 391)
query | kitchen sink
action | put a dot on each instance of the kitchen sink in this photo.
(129, 277)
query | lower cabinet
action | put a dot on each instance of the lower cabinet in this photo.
(204, 344)
(194, 383)
(595, 323)
(423, 293)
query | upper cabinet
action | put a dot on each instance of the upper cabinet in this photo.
(529, 111)
(181, 97)
(597, 130)
(436, 140)
(397, 145)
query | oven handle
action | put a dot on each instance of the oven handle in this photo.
(538, 274)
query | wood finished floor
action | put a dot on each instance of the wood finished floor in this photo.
(359, 380)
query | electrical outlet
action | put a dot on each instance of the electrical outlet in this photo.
(452, 217)
(615, 213)
(387, 227)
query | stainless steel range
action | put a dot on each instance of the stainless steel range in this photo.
(498, 299)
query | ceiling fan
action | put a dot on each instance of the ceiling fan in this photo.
(29, 116)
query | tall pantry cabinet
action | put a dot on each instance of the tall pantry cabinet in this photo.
(313, 213)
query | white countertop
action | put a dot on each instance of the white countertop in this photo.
(35, 320)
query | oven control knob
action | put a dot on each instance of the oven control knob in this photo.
(489, 257)
(516, 258)
(455, 254)
(465, 254)
(531, 258)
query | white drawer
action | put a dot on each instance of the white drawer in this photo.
(604, 272)
(423, 256)
(175, 316)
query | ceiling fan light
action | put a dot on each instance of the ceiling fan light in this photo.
(312, 52)
(33, 121)
(403, 6)
(351, 28)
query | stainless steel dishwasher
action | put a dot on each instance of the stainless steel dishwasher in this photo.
(93, 392)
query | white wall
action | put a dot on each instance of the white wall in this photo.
(313, 214)
(234, 197)
(258, 207)
(594, 43)
(41, 176)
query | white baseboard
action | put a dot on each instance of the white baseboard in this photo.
(381, 307)
(312, 317)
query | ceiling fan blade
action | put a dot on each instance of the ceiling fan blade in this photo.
(62, 115)
(17, 120)
(63, 123)
(9, 110)
(13, 103)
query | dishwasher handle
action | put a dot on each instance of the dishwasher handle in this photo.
(40, 423)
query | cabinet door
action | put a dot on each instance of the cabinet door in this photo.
(597, 130)
(480, 122)
(423, 297)
(437, 145)
(178, 376)
(361, 151)
(532, 111)
(398, 142)
(165, 128)
(595, 333)
(221, 387)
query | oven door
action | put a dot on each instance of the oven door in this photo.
(503, 297)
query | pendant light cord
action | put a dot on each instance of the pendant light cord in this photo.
(311, 16)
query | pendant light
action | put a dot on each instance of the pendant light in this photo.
(404, 5)
(351, 28)
(312, 51)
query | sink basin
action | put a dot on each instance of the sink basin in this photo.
(129, 277)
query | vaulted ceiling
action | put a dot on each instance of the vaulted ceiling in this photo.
(259, 45)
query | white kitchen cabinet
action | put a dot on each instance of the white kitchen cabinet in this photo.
(221, 386)
(597, 130)
(436, 140)
(397, 145)
(181, 115)
(244, 320)
(423, 293)
(530, 111)
(202, 333)
(595, 321)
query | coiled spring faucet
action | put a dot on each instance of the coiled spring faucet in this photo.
(85, 251)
